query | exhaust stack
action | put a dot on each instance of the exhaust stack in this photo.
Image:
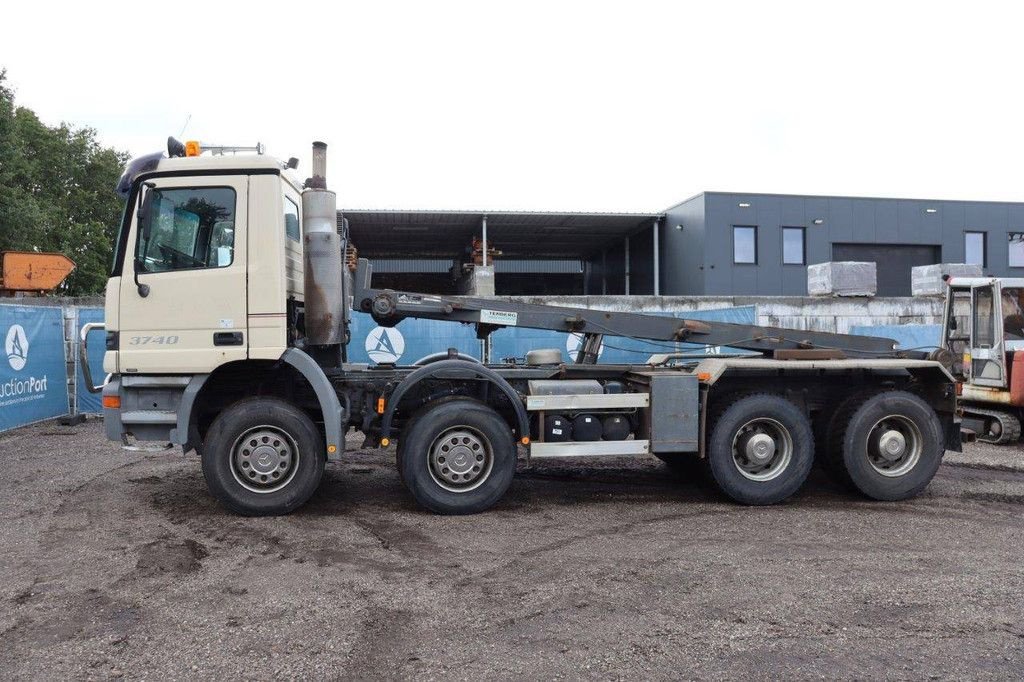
(322, 261)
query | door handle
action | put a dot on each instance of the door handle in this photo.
(227, 338)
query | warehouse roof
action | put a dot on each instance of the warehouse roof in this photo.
(517, 234)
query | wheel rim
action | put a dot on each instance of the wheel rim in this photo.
(762, 449)
(460, 459)
(264, 459)
(894, 445)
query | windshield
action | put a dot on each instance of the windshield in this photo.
(186, 228)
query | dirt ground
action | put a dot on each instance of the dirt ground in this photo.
(119, 564)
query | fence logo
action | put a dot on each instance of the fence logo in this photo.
(16, 347)
(385, 344)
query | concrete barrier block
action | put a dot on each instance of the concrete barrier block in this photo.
(927, 280)
(842, 278)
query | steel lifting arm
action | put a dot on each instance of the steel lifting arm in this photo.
(389, 307)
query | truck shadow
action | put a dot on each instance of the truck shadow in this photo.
(544, 485)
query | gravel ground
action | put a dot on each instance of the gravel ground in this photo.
(120, 564)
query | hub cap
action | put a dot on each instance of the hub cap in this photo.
(894, 445)
(264, 459)
(460, 459)
(762, 449)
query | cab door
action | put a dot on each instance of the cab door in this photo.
(988, 351)
(188, 250)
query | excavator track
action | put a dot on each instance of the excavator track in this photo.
(1009, 425)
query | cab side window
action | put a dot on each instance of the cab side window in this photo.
(291, 220)
(186, 229)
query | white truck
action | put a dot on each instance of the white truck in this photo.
(227, 319)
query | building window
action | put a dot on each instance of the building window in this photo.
(1016, 249)
(974, 248)
(291, 220)
(744, 244)
(793, 252)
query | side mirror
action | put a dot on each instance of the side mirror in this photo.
(144, 215)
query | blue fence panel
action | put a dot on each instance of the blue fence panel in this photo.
(412, 339)
(33, 377)
(408, 341)
(89, 403)
(513, 342)
(920, 336)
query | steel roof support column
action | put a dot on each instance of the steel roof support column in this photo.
(657, 259)
(483, 228)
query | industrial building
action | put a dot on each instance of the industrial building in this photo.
(713, 244)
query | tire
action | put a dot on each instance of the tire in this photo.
(903, 472)
(830, 453)
(471, 432)
(788, 449)
(242, 475)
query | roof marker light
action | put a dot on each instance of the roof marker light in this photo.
(192, 148)
(744, 204)
(931, 210)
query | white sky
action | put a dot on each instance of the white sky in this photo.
(589, 106)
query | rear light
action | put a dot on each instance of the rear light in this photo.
(959, 388)
(112, 402)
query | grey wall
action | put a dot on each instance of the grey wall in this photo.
(682, 248)
(699, 259)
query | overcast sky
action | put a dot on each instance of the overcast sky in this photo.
(588, 106)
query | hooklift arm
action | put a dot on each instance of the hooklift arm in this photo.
(388, 308)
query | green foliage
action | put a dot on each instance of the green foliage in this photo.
(57, 193)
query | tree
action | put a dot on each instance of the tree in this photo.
(57, 192)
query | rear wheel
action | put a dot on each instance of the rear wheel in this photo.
(761, 449)
(457, 457)
(263, 457)
(891, 446)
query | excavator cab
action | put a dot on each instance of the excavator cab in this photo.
(983, 328)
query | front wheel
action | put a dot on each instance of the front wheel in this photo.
(761, 449)
(457, 457)
(263, 457)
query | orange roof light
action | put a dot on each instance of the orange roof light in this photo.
(192, 148)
